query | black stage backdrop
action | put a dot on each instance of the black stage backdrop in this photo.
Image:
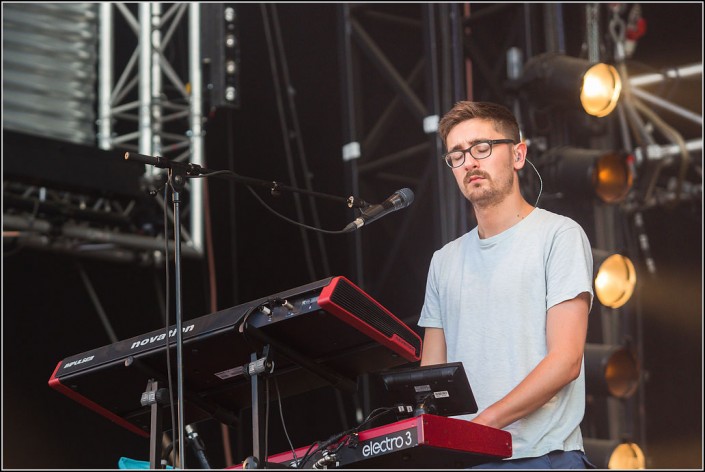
(48, 315)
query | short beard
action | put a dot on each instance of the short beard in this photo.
(494, 195)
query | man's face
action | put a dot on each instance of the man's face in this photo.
(485, 182)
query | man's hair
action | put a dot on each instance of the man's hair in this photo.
(500, 116)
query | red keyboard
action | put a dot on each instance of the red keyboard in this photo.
(426, 441)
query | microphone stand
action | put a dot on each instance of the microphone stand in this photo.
(177, 183)
(177, 173)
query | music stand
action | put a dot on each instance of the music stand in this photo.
(441, 389)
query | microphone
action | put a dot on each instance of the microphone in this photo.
(164, 163)
(398, 200)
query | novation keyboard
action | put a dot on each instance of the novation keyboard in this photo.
(324, 333)
(425, 441)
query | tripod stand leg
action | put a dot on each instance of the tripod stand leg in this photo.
(155, 430)
(254, 370)
(257, 440)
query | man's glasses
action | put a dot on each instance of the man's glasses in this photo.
(479, 150)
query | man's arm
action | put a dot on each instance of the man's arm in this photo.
(434, 347)
(566, 330)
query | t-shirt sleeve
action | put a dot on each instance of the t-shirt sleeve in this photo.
(569, 270)
(431, 310)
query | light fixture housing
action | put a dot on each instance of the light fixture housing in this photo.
(614, 278)
(614, 454)
(573, 82)
(610, 370)
(221, 55)
(604, 174)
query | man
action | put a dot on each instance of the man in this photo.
(510, 299)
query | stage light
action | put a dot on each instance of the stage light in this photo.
(587, 172)
(610, 371)
(220, 53)
(613, 454)
(564, 80)
(615, 278)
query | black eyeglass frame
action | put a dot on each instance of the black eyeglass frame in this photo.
(491, 142)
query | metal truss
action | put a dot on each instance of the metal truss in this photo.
(658, 147)
(401, 66)
(393, 96)
(78, 224)
(155, 106)
(643, 130)
(503, 62)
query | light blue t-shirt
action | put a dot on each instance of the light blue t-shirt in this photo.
(490, 296)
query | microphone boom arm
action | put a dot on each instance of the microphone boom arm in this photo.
(194, 170)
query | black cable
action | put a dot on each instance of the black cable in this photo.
(337, 437)
(198, 446)
(308, 455)
(228, 172)
(370, 417)
(242, 328)
(290, 220)
(348, 435)
(211, 174)
(281, 415)
(166, 321)
(168, 449)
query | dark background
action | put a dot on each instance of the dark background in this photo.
(48, 316)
